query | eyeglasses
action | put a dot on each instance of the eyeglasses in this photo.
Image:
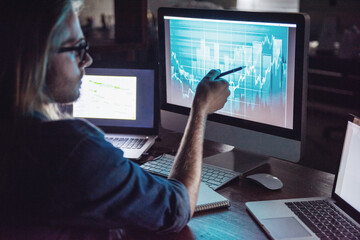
(82, 49)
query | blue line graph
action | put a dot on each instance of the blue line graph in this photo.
(259, 90)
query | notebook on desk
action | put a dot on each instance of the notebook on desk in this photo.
(320, 218)
(122, 102)
(209, 199)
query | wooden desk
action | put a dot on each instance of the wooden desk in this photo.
(235, 222)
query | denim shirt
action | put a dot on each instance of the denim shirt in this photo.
(64, 171)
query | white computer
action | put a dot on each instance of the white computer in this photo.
(265, 115)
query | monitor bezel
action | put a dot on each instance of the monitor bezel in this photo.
(300, 80)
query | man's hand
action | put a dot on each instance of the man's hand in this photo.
(211, 94)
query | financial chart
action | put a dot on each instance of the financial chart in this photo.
(258, 92)
(107, 97)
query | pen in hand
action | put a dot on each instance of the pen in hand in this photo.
(230, 71)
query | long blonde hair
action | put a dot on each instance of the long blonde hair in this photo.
(30, 30)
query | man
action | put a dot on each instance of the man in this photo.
(61, 171)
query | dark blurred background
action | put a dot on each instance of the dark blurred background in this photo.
(123, 33)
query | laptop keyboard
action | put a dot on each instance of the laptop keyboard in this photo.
(213, 176)
(127, 143)
(325, 220)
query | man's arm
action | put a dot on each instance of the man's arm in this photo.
(211, 95)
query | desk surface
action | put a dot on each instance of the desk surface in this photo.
(235, 222)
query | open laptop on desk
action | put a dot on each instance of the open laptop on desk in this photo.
(122, 102)
(286, 219)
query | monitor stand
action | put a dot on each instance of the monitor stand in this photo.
(237, 160)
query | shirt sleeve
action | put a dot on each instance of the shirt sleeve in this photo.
(97, 185)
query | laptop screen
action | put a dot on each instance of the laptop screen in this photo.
(348, 178)
(117, 98)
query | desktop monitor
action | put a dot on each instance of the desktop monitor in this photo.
(266, 111)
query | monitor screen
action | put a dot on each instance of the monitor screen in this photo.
(107, 97)
(348, 178)
(117, 98)
(267, 97)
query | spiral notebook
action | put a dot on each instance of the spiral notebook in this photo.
(209, 199)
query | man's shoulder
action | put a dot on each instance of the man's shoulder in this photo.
(73, 126)
(62, 137)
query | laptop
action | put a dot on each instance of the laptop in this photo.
(314, 218)
(123, 103)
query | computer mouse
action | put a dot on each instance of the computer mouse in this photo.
(266, 180)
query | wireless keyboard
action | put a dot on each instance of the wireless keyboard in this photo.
(213, 176)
